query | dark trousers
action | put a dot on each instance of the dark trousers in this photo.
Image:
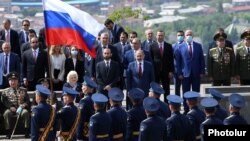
(177, 85)
(221, 82)
(163, 79)
(5, 83)
(187, 83)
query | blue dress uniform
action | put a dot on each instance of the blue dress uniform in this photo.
(135, 115)
(209, 104)
(195, 115)
(118, 115)
(100, 122)
(221, 112)
(153, 128)
(87, 110)
(42, 114)
(164, 111)
(69, 117)
(236, 101)
(178, 125)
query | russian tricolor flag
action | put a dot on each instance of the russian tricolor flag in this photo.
(67, 25)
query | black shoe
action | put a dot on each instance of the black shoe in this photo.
(27, 136)
(8, 133)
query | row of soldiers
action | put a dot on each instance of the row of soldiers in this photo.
(149, 118)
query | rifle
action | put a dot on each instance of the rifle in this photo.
(18, 117)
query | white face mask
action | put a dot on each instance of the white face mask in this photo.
(74, 52)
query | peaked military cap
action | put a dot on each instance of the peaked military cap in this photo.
(99, 98)
(174, 99)
(156, 88)
(245, 35)
(136, 94)
(13, 75)
(216, 94)
(151, 104)
(89, 82)
(220, 36)
(209, 102)
(116, 94)
(191, 95)
(43, 80)
(237, 100)
(69, 91)
(43, 90)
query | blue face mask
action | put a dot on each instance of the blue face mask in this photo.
(189, 38)
(180, 38)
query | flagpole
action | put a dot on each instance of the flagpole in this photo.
(52, 98)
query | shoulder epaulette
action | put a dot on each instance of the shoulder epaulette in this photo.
(213, 48)
(240, 47)
(229, 48)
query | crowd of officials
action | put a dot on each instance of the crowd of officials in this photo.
(90, 107)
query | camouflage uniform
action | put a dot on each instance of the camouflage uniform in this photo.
(19, 99)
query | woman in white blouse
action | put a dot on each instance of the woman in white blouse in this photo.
(57, 62)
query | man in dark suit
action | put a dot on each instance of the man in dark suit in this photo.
(115, 30)
(190, 65)
(129, 56)
(140, 73)
(35, 65)
(26, 46)
(24, 33)
(162, 56)
(104, 43)
(107, 73)
(150, 39)
(9, 62)
(9, 35)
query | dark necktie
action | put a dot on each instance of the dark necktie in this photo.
(34, 55)
(140, 70)
(107, 66)
(5, 64)
(161, 49)
(27, 36)
(248, 50)
(190, 50)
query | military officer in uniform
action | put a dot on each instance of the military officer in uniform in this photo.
(100, 122)
(221, 62)
(43, 117)
(87, 108)
(118, 115)
(221, 112)
(69, 115)
(178, 125)
(236, 103)
(135, 115)
(195, 115)
(242, 63)
(209, 105)
(155, 91)
(16, 101)
(153, 128)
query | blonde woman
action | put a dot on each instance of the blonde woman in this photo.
(72, 78)
(57, 62)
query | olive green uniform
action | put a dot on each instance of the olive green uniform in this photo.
(221, 65)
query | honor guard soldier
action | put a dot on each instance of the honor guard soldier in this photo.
(155, 91)
(195, 115)
(117, 114)
(15, 101)
(69, 115)
(236, 103)
(221, 112)
(87, 108)
(43, 117)
(242, 63)
(100, 122)
(135, 115)
(178, 125)
(209, 105)
(221, 62)
(153, 128)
